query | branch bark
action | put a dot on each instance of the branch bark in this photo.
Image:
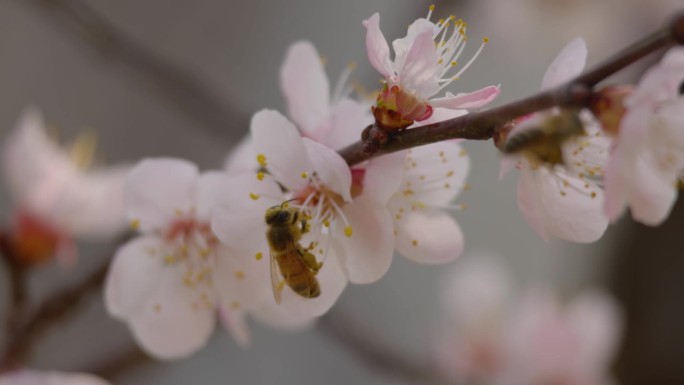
(482, 125)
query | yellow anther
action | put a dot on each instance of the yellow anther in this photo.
(240, 274)
(254, 196)
(485, 40)
(135, 224)
(414, 242)
(261, 159)
(431, 7)
(593, 194)
(454, 63)
(304, 175)
(157, 308)
(235, 305)
(170, 259)
(326, 223)
(204, 252)
(440, 61)
(450, 173)
(258, 256)
(260, 175)
(351, 66)
(348, 231)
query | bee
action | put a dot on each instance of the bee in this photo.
(290, 260)
(543, 143)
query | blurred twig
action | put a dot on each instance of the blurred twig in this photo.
(184, 91)
(120, 363)
(17, 292)
(54, 309)
(376, 354)
(482, 125)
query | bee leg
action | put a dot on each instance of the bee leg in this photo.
(309, 259)
(306, 227)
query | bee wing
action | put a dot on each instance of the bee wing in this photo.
(276, 282)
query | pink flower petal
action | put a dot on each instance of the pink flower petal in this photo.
(418, 71)
(347, 121)
(428, 236)
(241, 157)
(156, 189)
(377, 48)
(368, 252)
(552, 209)
(568, 64)
(330, 168)
(152, 298)
(279, 141)
(305, 86)
(383, 176)
(471, 100)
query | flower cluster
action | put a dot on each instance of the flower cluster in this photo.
(204, 249)
(489, 335)
(581, 169)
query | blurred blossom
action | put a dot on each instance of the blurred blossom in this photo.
(647, 160)
(492, 335)
(560, 194)
(55, 195)
(33, 377)
(169, 283)
(425, 62)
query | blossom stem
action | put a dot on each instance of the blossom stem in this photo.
(483, 124)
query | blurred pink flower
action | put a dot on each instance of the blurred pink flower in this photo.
(425, 62)
(169, 283)
(34, 377)
(564, 200)
(490, 335)
(55, 194)
(647, 159)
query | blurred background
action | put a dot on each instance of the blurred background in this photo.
(178, 78)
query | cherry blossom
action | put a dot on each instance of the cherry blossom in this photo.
(425, 63)
(56, 197)
(647, 159)
(563, 199)
(351, 227)
(169, 283)
(491, 334)
(33, 377)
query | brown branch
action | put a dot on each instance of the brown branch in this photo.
(171, 83)
(481, 125)
(375, 353)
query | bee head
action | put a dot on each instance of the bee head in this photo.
(279, 215)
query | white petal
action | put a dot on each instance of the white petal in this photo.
(347, 121)
(383, 176)
(91, 206)
(330, 168)
(575, 216)
(471, 100)
(597, 322)
(305, 86)
(377, 48)
(237, 219)
(157, 189)
(167, 318)
(34, 377)
(568, 64)
(241, 157)
(419, 71)
(403, 46)
(232, 286)
(428, 236)
(368, 252)
(436, 173)
(278, 139)
(439, 115)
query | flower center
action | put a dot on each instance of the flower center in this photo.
(322, 207)
(191, 243)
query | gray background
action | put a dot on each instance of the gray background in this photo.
(234, 50)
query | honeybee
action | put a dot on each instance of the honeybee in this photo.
(290, 260)
(544, 142)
